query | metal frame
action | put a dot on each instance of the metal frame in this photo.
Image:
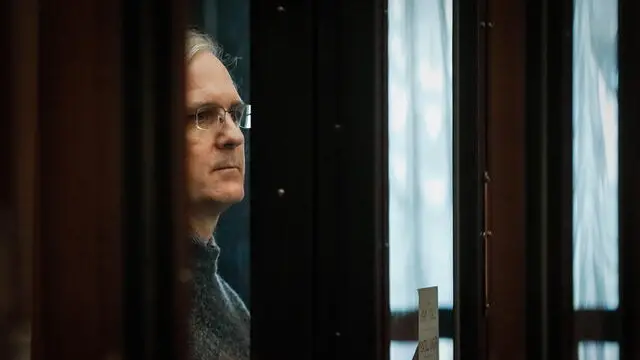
(549, 180)
(404, 325)
(554, 327)
(466, 322)
(468, 159)
(283, 210)
(319, 184)
(629, 176)
(351, 157)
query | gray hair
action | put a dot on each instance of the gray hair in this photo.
(198, 42)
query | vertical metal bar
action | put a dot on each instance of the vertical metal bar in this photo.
(536, 348)
(486, 237)
(467, 190)
(629, 176)
(549, 180)
(360, 215)
(558, 159)
(283, 179)
(327, 323)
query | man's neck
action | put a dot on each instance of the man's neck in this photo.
(203, 226)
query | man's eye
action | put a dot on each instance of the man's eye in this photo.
(205, 116)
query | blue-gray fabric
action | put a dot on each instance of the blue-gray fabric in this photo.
(220, 321)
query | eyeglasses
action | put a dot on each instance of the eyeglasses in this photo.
(212, 115)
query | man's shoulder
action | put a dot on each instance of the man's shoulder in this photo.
(232, 297)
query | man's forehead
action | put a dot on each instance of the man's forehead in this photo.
(204, 96)
(208, 80)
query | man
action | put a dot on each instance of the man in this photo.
(215, 180)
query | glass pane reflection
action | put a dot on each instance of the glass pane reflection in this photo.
(220, 316)
(420, 157)
(591, 350)
(228, 22)
(595, 154)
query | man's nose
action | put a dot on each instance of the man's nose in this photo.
(230, 136)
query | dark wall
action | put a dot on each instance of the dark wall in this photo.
(228, 22)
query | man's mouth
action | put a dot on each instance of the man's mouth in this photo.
(220, 168)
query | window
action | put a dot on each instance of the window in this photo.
(228, 22)
(420, 167)
(595, 171)
(598, 350)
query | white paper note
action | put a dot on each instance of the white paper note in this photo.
(428, 332)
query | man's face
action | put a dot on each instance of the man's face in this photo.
(215, 155)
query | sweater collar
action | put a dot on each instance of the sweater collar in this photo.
(206, 254)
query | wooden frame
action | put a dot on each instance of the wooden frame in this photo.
(18, 159)
(77, 241)
(506, 263)
(106, 133)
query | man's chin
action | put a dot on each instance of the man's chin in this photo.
(234, 199)
(226, 198)
(214, 206)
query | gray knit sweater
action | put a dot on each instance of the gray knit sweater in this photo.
(219, 319)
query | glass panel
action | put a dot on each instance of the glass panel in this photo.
(220, 314)
(595, 154)
(420, 156)
(228, 22)
(591, 350)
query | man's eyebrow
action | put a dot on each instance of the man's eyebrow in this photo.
(193, 107)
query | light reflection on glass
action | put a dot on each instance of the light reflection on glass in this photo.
(420, 158)
(595, 154)
(591, 350)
